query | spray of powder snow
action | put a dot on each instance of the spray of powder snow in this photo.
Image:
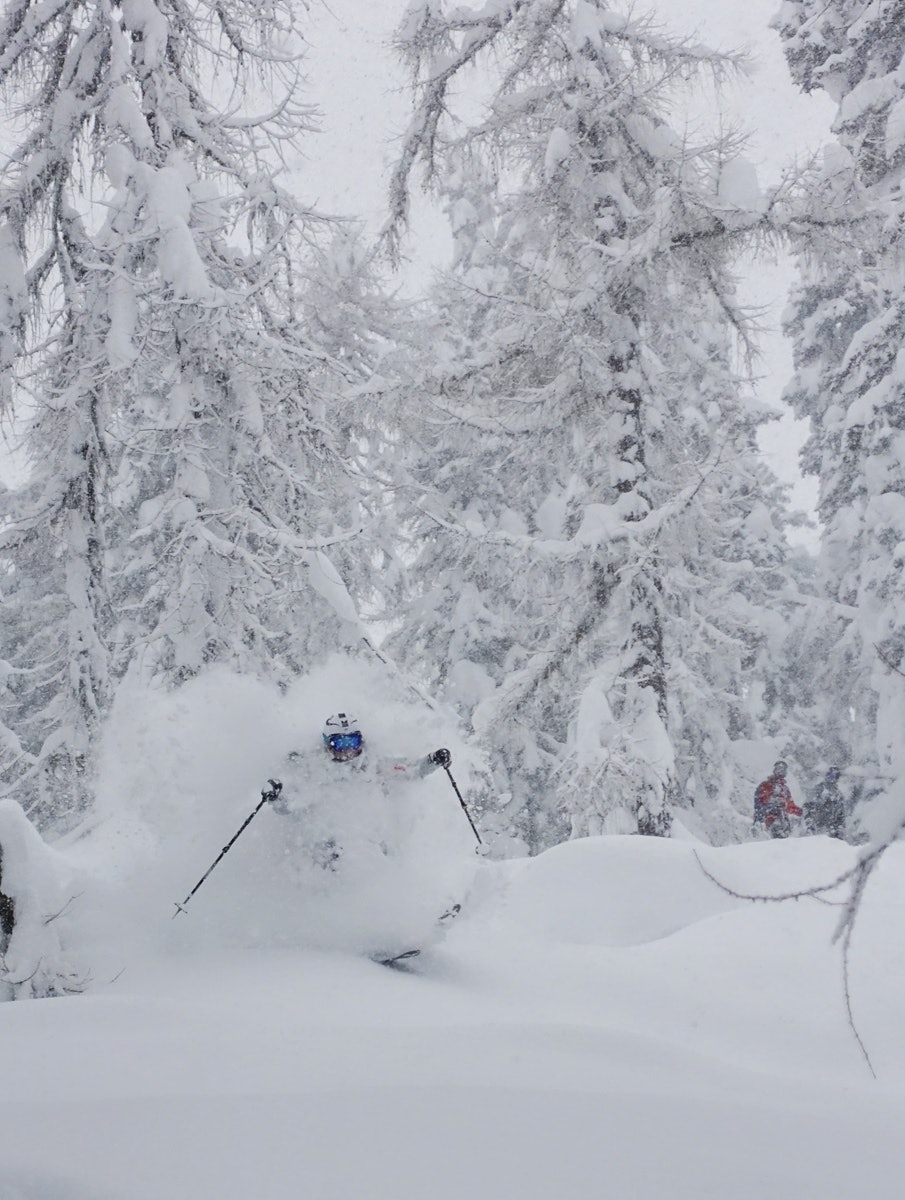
(182, 771)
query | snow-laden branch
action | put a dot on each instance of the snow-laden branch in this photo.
(524, 36)
(602, 524)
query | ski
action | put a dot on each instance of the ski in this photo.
(397, 961)
(400, 961)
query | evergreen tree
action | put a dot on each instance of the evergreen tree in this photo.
(594, 500)
(845, 322)
(186, 478)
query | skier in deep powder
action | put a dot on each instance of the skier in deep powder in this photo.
(341, 795)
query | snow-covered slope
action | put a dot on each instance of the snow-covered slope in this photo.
(600, 1021)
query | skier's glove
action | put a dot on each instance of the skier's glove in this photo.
(442, 758)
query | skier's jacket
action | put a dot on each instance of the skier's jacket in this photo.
(356, 807)
(772, 799)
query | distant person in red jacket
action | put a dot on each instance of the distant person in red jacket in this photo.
(773, 803)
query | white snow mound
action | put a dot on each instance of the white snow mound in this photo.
(625, 891)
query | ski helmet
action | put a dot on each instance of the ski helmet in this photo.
(780, 768)
(342, 737)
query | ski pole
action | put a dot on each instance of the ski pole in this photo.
(462, 802)
(266, 796)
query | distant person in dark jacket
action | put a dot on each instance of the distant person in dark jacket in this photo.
(7, 915)
(825, 812)
(773, 803)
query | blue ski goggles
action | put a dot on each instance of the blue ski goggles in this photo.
(339, 742)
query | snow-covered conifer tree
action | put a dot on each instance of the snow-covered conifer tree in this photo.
(593, 498)
(846, 323)
(57, 674)
(185, 484)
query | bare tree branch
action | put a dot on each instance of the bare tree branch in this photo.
(859, 875)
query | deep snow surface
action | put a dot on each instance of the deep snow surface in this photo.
(600, 1021)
